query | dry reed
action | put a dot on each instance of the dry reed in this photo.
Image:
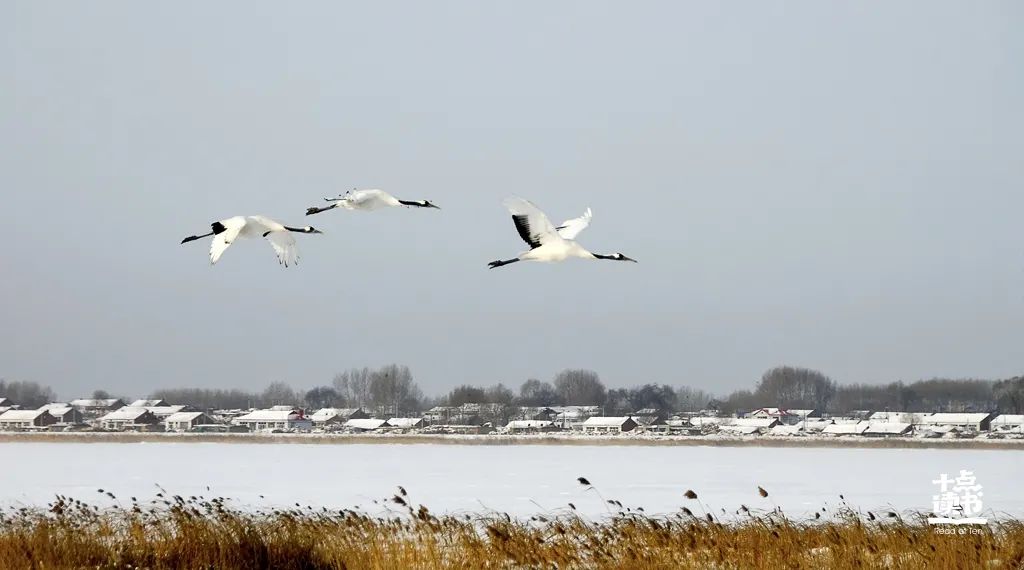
(199, 532)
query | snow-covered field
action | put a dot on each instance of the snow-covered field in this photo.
(521, 480)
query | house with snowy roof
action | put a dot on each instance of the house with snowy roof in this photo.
(405, 423)
(366, 424)
(801, 428)
(127, 418)
(980, 421)
(332, 416)
(64, 413)
(26, 419)
(748, 426)
(708, 421)
(164, 412)
(536, 413)
(577, 411)
(888, 429)
(95, 407)
(649, 417)
(732, 429)
(278, 417)
(531, 426)
(767, 413)
(608, 424)
(441, 414)
(1008, 423)
(812, 425)
(784, 415)
(759, 423)
(913, 418)
(786, 430)
(681, 426)
(148, 403)
(846, 429)
(186, 421)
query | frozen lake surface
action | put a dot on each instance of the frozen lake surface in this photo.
(519, 479)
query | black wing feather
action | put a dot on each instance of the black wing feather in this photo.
(522, 222)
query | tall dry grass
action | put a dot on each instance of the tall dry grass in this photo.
(200, 532)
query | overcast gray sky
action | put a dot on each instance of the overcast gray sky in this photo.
(832, 185)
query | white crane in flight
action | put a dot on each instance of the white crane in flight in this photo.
(547, 242)
(225, 232)
(367, 201)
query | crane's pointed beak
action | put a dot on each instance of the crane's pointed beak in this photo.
(624, 258)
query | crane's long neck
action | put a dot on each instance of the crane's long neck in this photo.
(300, 230)
(613, 257)
(217, 228)
(412, 203)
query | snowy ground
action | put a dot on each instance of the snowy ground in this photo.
(520, 480)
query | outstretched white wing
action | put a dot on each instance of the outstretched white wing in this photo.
(280, 238)
(367, 200)
(232, 227)
(534, 227)
(572, 228)
(284, 246)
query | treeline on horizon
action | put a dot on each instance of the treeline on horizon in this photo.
(392, 390)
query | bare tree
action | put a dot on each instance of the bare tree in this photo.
(206, 398)
(27, 394)
(936, 394)
(323, 397)
(580, 387)
(533, 392)
(1009, 395)
(661, 397)
(393, 390)
(691, 399)
(791, 387)
(499, 394)
(466, 395)
(279, 394)
(617, 402)
(354, 386)
(740, 400)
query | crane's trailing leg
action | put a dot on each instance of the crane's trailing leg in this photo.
(311, 211)
(499, 262)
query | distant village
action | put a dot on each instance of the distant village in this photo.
(155, 415)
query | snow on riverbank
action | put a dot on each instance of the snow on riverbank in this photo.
(519, 479)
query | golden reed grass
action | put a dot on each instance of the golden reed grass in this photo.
(199, 532)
